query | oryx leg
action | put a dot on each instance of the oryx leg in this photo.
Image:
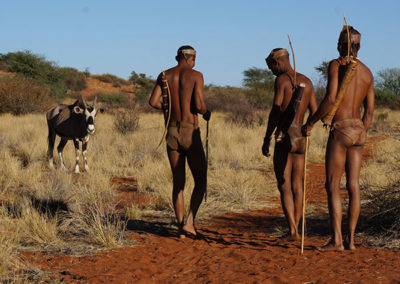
(50, 149)
(84, 152)
(77, 154)
(60, 149)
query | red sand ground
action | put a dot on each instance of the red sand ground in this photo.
(232, 248)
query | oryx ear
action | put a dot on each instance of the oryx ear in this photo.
(102, 110)
(78, 110)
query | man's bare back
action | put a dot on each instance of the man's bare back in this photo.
(347, 135)
(186, 86)
(358, 88)
(183, 135)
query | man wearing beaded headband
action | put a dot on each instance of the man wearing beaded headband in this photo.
(347, 132)
(289, 151)
(183, 134)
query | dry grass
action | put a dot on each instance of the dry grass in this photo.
(52, 210)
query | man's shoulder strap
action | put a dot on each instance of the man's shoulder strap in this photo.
(291, 80)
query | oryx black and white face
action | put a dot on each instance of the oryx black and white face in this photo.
(88, 114)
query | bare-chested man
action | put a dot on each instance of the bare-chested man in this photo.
(183, 135)
(347, 136)
(289, 152)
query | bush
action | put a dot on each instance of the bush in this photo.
(245, 115)
(387, 98)
(72, 78)
(126, 120)
(235, 102)
(30, 65)
(145, 84)
(20, 95)
(114, 99)
(44, 72)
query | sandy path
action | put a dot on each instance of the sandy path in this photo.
(232, 248)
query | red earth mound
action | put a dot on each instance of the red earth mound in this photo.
(95, 86)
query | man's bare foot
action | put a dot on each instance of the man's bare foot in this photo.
(290, 238)
(349, 244)
(331, 247)
(189, 229)
(182, 235)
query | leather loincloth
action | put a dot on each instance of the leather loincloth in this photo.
(294, 141)
(353, 129)
(183, 136)
(297, 140)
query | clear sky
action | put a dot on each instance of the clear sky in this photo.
(230, 36)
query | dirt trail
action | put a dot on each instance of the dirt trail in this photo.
(232, 248)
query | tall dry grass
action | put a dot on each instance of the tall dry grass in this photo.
(53, 210)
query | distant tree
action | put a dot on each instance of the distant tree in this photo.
(320, 84)
(260, 86)
(145, 84)
(387, 87)
(258, 78)
(389, 80)
(322, 69)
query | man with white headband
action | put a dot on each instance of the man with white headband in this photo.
(351, 81)
(288, 109)
(184, 87)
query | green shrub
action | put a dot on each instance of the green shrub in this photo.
(145, 84)
(114, 99)
(44, 72)
(387, 98)
(235, 102)
(20, 95)
(260, 86)
(30, 65)
(72, 78)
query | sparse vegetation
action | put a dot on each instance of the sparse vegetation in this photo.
(114, 99)
(43, 72)
(110, 78)
(56, 211)
(260, 86)
(127, 120)
(145, 84)
(20, 95)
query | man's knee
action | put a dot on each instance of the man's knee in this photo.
(353, 187)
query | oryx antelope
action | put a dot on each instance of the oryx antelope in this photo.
(71, 122)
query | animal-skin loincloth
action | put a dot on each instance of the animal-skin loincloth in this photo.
(297, 140)
(183, 136)
(353, 129)
(294, 141)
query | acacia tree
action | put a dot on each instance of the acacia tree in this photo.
(322, 69)
(389, 80)
(260, 84)
(387, 87)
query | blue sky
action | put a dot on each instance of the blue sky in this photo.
(230, 36)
